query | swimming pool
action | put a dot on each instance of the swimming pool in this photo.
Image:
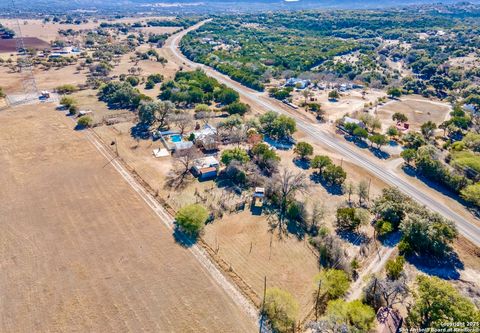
(176, 138)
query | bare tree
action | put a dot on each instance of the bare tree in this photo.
(362, 191)
(184, 160)
(349, 190)
(318, 214)
(385, 292)
(182, 120)
(285, 186)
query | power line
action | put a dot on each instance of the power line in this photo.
(25, 63)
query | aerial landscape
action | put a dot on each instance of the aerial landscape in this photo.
(239, 166)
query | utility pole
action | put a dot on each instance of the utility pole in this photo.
(317, 300)
(25, 64)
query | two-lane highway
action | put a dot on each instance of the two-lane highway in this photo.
(317, 134)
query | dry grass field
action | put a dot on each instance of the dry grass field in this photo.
(49, 31)
(246, 243)
(81, 252)
(418, 110)
(350, 101)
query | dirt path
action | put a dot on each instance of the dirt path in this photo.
(82, 251)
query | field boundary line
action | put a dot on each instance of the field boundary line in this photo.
(200, 254)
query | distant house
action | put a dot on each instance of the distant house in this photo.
(205, 167)
(348, 120)
(389, 320)
(297, 83)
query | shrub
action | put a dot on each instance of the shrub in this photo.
(66, 89)
(394, 267)
(149, 84)
(281, 309)
(84, 121)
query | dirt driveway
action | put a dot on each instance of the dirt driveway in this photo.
(80, 251)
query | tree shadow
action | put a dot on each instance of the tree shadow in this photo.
(412, 172)
(353, 237)
(358, 142)
(302, 163)
(379, 153)
(445, 268)
(182, 238)
(393, 143)
(140, 131)
(296, 228)
(331, 189)
(80, 127)
(391, 239)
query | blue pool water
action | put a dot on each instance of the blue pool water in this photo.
(176, 138)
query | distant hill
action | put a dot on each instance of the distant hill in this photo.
(178, 6)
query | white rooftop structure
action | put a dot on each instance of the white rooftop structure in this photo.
(206, 131)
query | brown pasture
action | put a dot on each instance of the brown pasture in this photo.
(81, 252)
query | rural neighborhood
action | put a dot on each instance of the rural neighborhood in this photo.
(181, 168)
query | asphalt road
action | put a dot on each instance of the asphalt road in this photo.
(465, 227)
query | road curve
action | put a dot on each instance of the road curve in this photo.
(465, 227)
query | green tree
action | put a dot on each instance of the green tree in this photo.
(227, 96)
(334, 174)
(149, 85)
(360, 132)
(333, 95)
(349, 218)
(133, 80)
(359, 317)
(334, 283)
(394, 92)
(399, 117)
(237, 108)
(409, 155)
(378, 139)
(237, 154)
(426, 233)
(2, 94)
(394, 267)
(265, 157)
(320, 162)
(191, 219)
(428, 129)
(392, 132)
(281, 309)
(155, 78)
(437, 302)
(278, 126)
(471, 193)
(303, 150)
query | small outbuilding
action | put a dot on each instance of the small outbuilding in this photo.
(258, 197)
(205, 167)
